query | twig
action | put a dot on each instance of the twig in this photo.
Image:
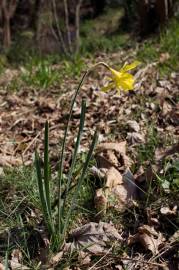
(163, 250)
(144, 262)
(31, 143)
(92, 267)
(57, 26)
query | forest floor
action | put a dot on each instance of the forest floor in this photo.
(130, 198)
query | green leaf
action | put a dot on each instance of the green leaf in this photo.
(60, 171)
(46, 169)
(80, 181)
(77, 144)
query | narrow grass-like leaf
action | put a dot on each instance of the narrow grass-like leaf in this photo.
(7, 253)
(80, 181)
(6, 261)
(41, 192)
(77, 144)
(40, 183)
(60, 171)
(46, 169)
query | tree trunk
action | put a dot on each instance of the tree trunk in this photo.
(77, 26)
(36, 17)
(153, 14)
(6, 33)
(164, 10)
(99, 6)
(7, 10)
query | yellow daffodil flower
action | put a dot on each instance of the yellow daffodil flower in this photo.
(121, 80)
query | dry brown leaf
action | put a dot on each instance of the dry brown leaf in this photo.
(118, 189)
(17, 266)
(174, 116)
(161, 92)
(165, 210)
(135, 137)
(100, 201)
(100, 173)
(16, 255)
(152, 217)
(164, 57)
(46, 104)
(119, 267)
(118, 147)
(56, 258)
(8, 75)
(118, 192)
(7, 160)
(129, 184)
(166, 108)
(95, 237)
(174, 237)
(161, 154)
(133, 125)
(165, 83)
(111, 157)
(2, 267)
(113, 178)
(84, 258)
(125, 193)
(148, 238)
(112, 154)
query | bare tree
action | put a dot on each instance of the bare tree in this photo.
(59, 36)
(77, 25)
(7, 10)
(68, 38)
(37, 8)
(153, 14)
(67, 25)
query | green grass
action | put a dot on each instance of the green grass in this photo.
(146, 151)
(165, 42)
(40, 75)
(169, 178)
(105, 44)
(72, 68)
(18, 186)
(103, 34)
(18, 202)
(39, 72)
(3, 63)
(19, 198)
(44, 72)
(47, 72)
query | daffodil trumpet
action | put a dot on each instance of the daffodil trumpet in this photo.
(121, 80)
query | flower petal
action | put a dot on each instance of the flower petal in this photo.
(126, 82)
(128, 67)
(108, 87)
(115, 73)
